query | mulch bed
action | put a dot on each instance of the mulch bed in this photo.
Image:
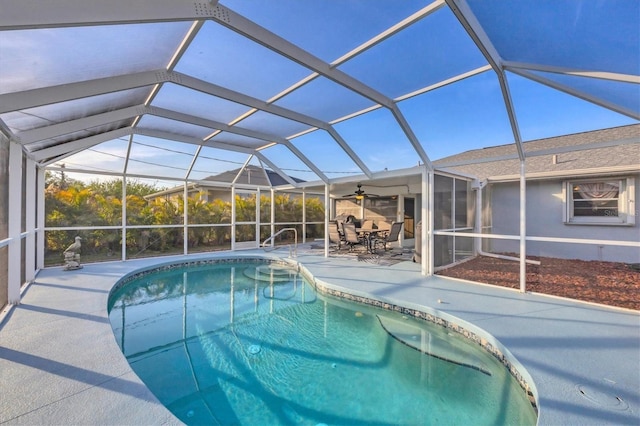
(608, 283)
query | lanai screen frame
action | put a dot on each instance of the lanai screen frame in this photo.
(21, 15)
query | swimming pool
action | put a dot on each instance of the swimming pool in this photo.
(254, 343)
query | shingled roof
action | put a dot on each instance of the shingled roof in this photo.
(253, 175)
(607, 150)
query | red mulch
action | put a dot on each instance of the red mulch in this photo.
(608, 283)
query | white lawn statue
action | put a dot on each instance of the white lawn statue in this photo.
(72, 256)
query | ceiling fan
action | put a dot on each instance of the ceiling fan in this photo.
(359, 194)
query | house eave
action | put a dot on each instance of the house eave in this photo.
(567, 174)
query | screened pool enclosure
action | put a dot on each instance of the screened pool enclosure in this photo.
(155, 127)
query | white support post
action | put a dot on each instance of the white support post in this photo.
(327, 199)
(185, 219)
(30, 221)
(523, 228)
(304, 217)
(258, 218)
(124, 218)
(273, 214)
(14, 222)
(425, 231)
(233, 218)
(40, 241)
(477, 242)
(327, 215)
(430, 250)
(400, 218)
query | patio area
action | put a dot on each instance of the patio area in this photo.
(59, 361)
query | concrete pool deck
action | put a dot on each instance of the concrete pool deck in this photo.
(60, 364)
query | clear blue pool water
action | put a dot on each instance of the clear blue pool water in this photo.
(218, 346)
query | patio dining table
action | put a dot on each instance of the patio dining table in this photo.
(368, 234)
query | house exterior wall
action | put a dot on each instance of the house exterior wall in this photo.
(545, 206)
(219, 194)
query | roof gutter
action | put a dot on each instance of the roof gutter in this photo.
(604, 171)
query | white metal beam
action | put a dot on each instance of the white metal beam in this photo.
(56, 94)
(17, 101)
(191, 140)
(80, 144)
(306, 161)
(242, 169)
(14, 223)
(236, 130)
(72, 126)
(258, 104)
(523, 228)
(405, 23)
(240, 98)
(278, 44)
(212, 124)
(577, 93)
(328, 213)
(275, 168)
(465, 16)
(350, 152)
(249, 29)
(622, 78)
(131, 112)
(473, 28)
(411, 136)
(123, 220)
(40, 195)
(444, 83)
(29, 14)
(180, 51)
(30, 220)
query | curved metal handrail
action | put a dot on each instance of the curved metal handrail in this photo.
(293, 253)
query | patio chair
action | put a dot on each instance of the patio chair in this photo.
(351, 237)
(335, 236)
(390, 237)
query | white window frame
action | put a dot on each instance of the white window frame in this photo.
(626, 205)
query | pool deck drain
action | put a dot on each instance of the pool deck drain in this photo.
(60, 364)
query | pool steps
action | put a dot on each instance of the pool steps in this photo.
(271, 273)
